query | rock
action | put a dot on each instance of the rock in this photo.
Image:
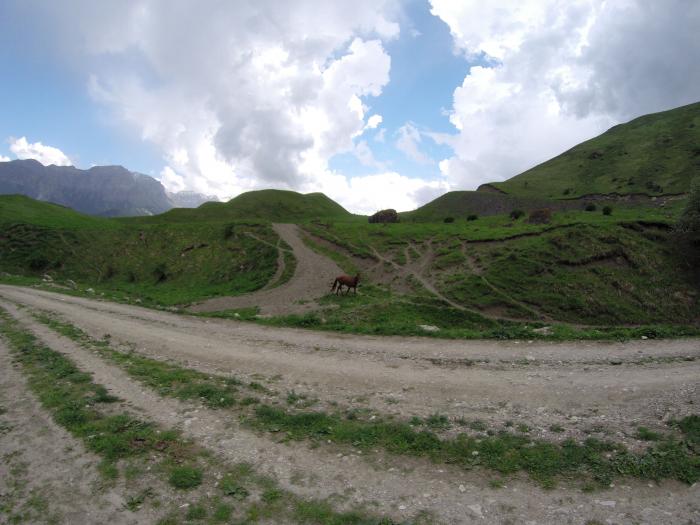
(428, 328)
(47, 278)
(644, 337)
(71, 284)
(90, 290)
(616, 361)
(476, 509)
(462, 488)
(607, 503)
(545, 330)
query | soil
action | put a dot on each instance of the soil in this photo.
(590, 389)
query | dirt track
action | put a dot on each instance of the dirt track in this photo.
(312, 279)
(574, 384)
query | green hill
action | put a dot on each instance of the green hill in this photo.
(18, 208)
(266, 205)
(460, 204)
(654, 154)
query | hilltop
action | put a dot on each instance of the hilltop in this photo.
(267, 205)
(656, 154)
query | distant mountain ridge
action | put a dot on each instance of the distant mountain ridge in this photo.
(107, 191)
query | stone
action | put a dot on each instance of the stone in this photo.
(545, 330)
(476, 509)
(462, 488)
(71, 284)
(90, 290)
(428, 328)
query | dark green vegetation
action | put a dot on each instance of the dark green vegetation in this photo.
(655, 154)
(505, 452)
(268, 205)
(155, 262)
(79, 405)
(583, 267)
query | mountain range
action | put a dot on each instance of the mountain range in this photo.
(107, 191)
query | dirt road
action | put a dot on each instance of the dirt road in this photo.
(589, 389)
(312, 279)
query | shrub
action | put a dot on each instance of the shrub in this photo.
(607, 210)
(590, 207)
(448, 220)
(516, 214)
(541, 216)
(384, 216)
(472, 217)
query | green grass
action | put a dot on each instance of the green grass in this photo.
(654, 154)
(503, 452)
(20, 209)
(185, 477)
(267, 205)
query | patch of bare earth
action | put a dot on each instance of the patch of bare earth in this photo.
(589, 389)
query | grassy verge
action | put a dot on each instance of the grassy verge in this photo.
(671, 457)
(78, 404)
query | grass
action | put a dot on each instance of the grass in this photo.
(503, 452)
(654, 154)
(185, 477)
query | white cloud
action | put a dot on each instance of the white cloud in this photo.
(373, 121)
(558, 73)
(237, 95)
(4, 159)
(47, 155)
(380, 136)
(364, 154)
(409, 143)
(370, 193)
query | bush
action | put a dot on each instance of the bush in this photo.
(516, 214)
(384, 216)
(541, 216)
(449, 220)
(590, 207)
(607, 210)
(472, 217)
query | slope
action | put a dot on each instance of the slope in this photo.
(655, 154)
(267, 205)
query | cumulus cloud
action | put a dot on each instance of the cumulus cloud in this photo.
(556, 73)
(47, 155)
(409, 143)
(237, 95)
(4, 159)
(370, 193)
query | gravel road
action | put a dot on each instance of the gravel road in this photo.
(614, 387)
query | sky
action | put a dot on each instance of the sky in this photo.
(377, 103)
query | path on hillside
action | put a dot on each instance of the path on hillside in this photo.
(312, 279)
(603, 390)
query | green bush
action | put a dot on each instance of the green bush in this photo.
(449, 220)
(607, 210)
(590, 207)
(516, 214)
(472, 217)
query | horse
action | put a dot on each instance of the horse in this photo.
(345, 280)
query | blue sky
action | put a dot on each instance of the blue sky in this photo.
(225, 97)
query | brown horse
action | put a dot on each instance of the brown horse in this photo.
(345, 280)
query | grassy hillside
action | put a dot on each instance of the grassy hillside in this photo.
(18, 208)
(162, 263)
(655, 154)
(268, 205)
(583, 267)
(460, 204)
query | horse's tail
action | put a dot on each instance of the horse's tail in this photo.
(334, 283)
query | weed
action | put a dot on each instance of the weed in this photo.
(645, 434)
(185, 477)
